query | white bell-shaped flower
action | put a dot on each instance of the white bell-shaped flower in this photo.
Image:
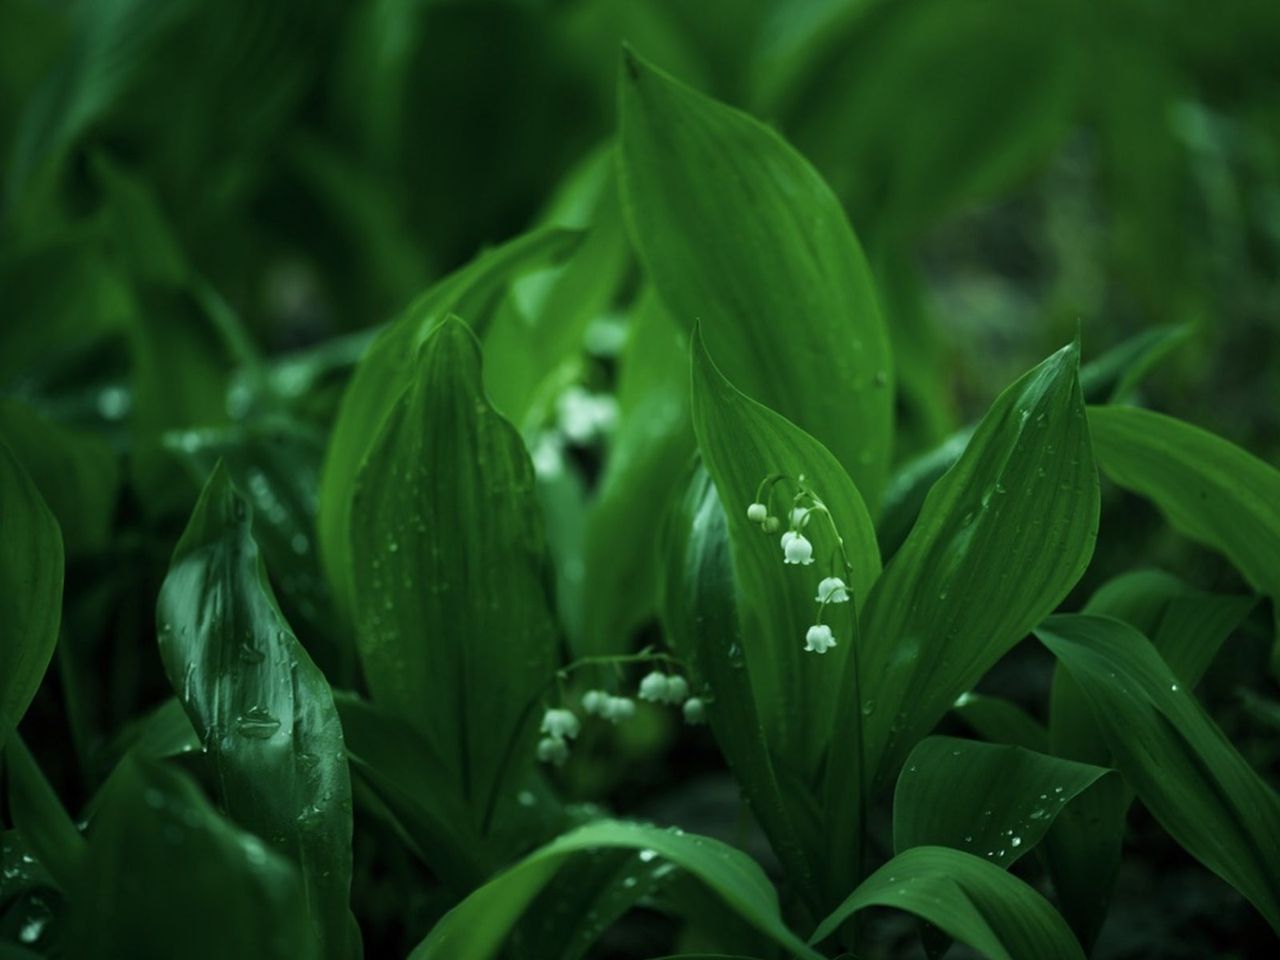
(560, 723)
(757, 513)
(618, 708)
(832, 590)
(695, 711)
(796, 548)
(819, 639)
(593, 702)
(799, 516)
(654, 687)
(553, 750)
(677, 689)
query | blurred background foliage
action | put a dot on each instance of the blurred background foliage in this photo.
(207, 207)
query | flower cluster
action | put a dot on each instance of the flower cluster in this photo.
(797, 550)
(560, 725)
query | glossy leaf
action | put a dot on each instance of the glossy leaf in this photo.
(1211, 490)
(455, 627)
(1186, 772)
(1187, 627)
(275, 463)
(740, 234)
(417, 790)
(1113, 375)
(1022, 500)
(967, 898)
(702, 621)
(992, 800)
(31, 569)
(807, 703)
(167, 876)
(260, 706)
(388, 369)
(39, 815)
(477, 927)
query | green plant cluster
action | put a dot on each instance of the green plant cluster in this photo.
(472, 488)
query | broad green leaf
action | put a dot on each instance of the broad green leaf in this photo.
(31, 569)
(388, 370)
(1186, 627)
(585, 897)
(1001, 721)
(1114, 374)
(39, 815)
(77, 473)
(418, 790)
(648, 457)
(477, 927)
(1211, 490)
(167, 876)
(968, 899)
(455, 627)
(739, 234)
(1180, 764)
(989, 799)
(1002, 538)
(260, 706)
(807, 703)
(702, 621)
(275, 463)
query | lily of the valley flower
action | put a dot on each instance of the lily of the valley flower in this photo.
(654, 687)
(560, 724)
(757, 513)
(593, 702)
(796, 548)
(819, 639)
(618, 708)
(553, 750)
(832, 590)
(677, 689)
(695, 711)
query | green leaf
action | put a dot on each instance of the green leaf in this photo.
(702, 622)
(969, 899)
(260, 706)
(992, 800)
(1001, 721)
(455, 627)
(166, 876)
(1187, 627)
(77, 473)
(275, 462)
(1209, 489)
(1184, 769)
(477, 927)
(807, 704)
(1114, 374)
(388, 369)
(648, 457)
(418, 792)
(1022, 500)
(40, 817)
(31, 569)
(740, 234)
